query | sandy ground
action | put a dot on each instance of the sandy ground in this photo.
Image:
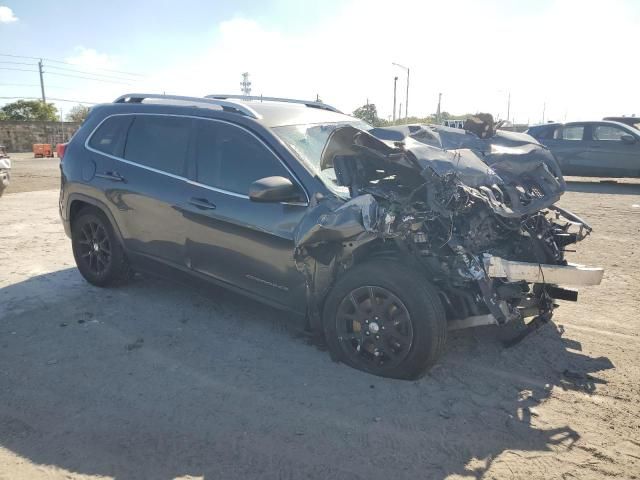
(158, 380)
(29, 174)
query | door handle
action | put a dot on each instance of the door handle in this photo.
(113, 176)
(202, 203)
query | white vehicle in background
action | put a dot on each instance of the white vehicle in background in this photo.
(5, 169)
(453, 123)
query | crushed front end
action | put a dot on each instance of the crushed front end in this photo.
(476, 215)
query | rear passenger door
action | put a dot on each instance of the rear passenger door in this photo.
(570, 148)
(229, 237)
(146, 201)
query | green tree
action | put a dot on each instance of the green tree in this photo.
(369, 113)
(30, 110)
(78, 113)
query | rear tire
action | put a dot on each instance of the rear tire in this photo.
(97, 250)
(386, 319)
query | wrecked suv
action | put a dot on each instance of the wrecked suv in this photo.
(382, 238)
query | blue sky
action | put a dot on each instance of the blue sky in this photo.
(569, 57)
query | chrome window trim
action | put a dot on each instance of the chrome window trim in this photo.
(187, 180)
(214, 189)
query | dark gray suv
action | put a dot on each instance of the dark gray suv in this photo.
(382, 239)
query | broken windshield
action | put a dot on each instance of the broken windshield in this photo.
(308, 141)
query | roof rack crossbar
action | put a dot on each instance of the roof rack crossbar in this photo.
(308, 103)
(225, 105)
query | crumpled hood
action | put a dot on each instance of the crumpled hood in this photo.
(508, 160)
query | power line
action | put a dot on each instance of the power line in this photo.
(67, 69)
(98, 68)
(69, 63)
(33, 85)
(88, 73)
(86, 78)
(17, 56)
(18, 69)
(50, 98)
(16, 63)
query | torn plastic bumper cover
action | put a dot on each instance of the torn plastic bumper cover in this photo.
(475, 216)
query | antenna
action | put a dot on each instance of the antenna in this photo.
(246, 84)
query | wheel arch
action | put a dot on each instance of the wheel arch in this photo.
(78, 202)
(360, 254)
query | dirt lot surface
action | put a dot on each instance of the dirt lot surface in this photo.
(29, 174)
(159, 381)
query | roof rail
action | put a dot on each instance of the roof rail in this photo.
(308, 103)
(225, 105)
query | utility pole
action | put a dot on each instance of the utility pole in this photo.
(544, 107)
(395, 83)
(406, 100)
(246, 84)
(438, 111)
(44, 99)
(508, 106)
(400, 112)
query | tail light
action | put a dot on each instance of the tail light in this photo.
(60, 149)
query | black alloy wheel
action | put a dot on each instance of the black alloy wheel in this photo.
(374, 327)
(98, 252)
(385, 318)
(95, 248)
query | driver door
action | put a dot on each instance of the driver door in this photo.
(610, 155)
(231, 238)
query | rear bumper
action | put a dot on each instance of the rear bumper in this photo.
(575, 275)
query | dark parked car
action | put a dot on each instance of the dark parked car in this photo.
(631, 121)
(383, 239)
(592, 149)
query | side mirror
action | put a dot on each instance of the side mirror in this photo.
(628, 138)
(274, 189)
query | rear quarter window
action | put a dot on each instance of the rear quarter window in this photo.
(111, 135)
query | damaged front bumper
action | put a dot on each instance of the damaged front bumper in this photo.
(497, 268)
(570, 274)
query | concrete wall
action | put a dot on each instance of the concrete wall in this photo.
(20, 136)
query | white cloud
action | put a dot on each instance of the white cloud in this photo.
(572, 55)
(6, 15)
(91, 59)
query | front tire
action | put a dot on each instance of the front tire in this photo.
(97, 251)
(386, 319)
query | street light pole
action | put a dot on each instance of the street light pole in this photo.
(406, 100)
(395, 83)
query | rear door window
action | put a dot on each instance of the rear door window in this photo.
(111, 135)
(159, 142)
(607, 132)
(230, 158)
(573, 132)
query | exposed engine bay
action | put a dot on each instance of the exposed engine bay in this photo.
(475, 215)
